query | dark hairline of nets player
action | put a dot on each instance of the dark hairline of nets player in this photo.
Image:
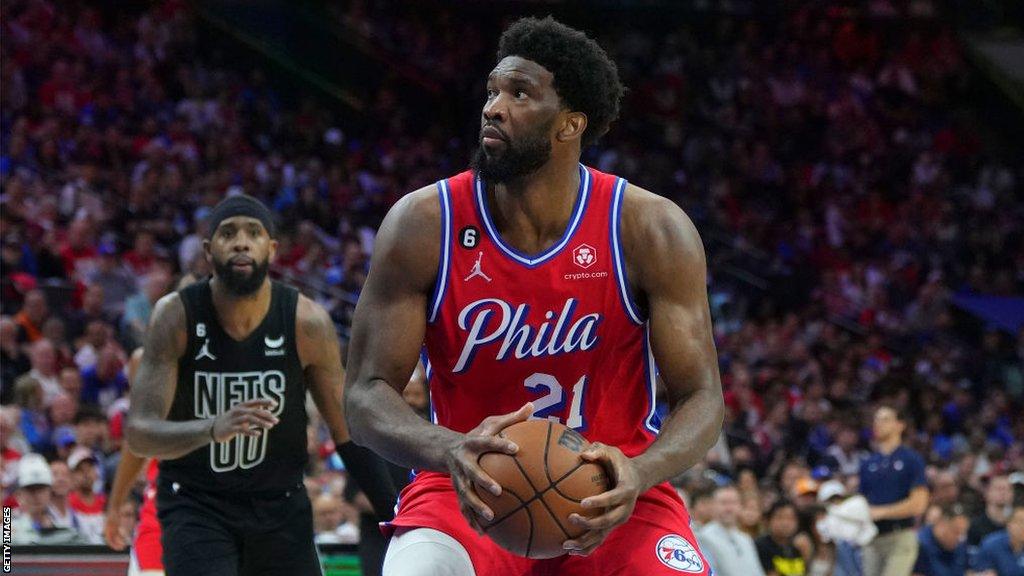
(585, 78)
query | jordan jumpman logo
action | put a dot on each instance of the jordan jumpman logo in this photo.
(477, 271)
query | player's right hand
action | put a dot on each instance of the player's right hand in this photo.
(467, 476)
(249, 418)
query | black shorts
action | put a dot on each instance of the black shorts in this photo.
(208, 533)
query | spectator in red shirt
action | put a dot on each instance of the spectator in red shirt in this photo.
(79, 252)
(87, 504)
(141, 257)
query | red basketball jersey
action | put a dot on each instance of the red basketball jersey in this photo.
(559, 328)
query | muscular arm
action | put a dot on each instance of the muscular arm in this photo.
(668, 267)
(128, 469)
(149, 433)
(387, 334)
(320, 353)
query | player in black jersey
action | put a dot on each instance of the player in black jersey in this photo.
(219, 398)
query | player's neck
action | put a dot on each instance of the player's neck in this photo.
(240, 315)
(534, 211)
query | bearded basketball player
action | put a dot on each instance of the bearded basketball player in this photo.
(219, 399)
(556, 292)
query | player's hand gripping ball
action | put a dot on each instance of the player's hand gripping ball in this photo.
(542, 484)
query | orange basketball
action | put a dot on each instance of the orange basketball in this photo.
(542, 484)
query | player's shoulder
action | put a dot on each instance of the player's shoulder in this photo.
(418, 208)
(308, 312)
(170, 309)
(168, 326)
(651, 222)
(314, 328)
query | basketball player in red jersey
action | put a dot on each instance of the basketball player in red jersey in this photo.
(555, 291)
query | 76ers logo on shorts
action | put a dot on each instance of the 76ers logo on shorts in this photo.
(584, 255)
(676, 553)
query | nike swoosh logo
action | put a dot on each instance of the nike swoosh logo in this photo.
(273, 343)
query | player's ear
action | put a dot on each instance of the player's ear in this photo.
(573, 126)
(273, 251)
(206, 249)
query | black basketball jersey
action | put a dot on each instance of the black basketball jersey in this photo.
(217, 372)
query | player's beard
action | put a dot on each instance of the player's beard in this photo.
(515, 160)
(240, 283)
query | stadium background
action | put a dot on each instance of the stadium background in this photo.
(853, 167)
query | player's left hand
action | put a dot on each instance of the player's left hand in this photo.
(618, 503)
(112, 533)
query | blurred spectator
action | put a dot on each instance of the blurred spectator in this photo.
(12, 445)
(701, 506)
(943, 545)
(138, 308)
(998, 505)
(779, 556)
(61, 413)
(104, 382)
(35, 426)
(945, 491)
(97, 336)
(893, 481)
(91, 311)
(13, 360)
(34, 523)
(116, 284)
(331, 522)
(727, 548)
(750, 520)
(60, 508)
(71, 382)
(54, 331)
(91, 428)
(33, 315)
(846, 453)
(142, 256)
(87, 504)
(43, 359)
(1002, 552)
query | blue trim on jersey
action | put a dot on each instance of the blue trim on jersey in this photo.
(650, 374)
(533, 261)
(441, 284)
(428, 371)
(625, 294)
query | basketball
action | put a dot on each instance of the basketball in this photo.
(542, 484)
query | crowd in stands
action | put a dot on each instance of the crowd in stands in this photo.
(839, 155)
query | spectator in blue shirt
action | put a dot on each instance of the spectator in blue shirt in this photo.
(104, 382)
(943, 545)
(893, 482)
(1002, 553)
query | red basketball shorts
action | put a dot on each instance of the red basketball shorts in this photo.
(655, 541)
(146, 548)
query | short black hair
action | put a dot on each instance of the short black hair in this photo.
(781, 504)
(586, 79)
